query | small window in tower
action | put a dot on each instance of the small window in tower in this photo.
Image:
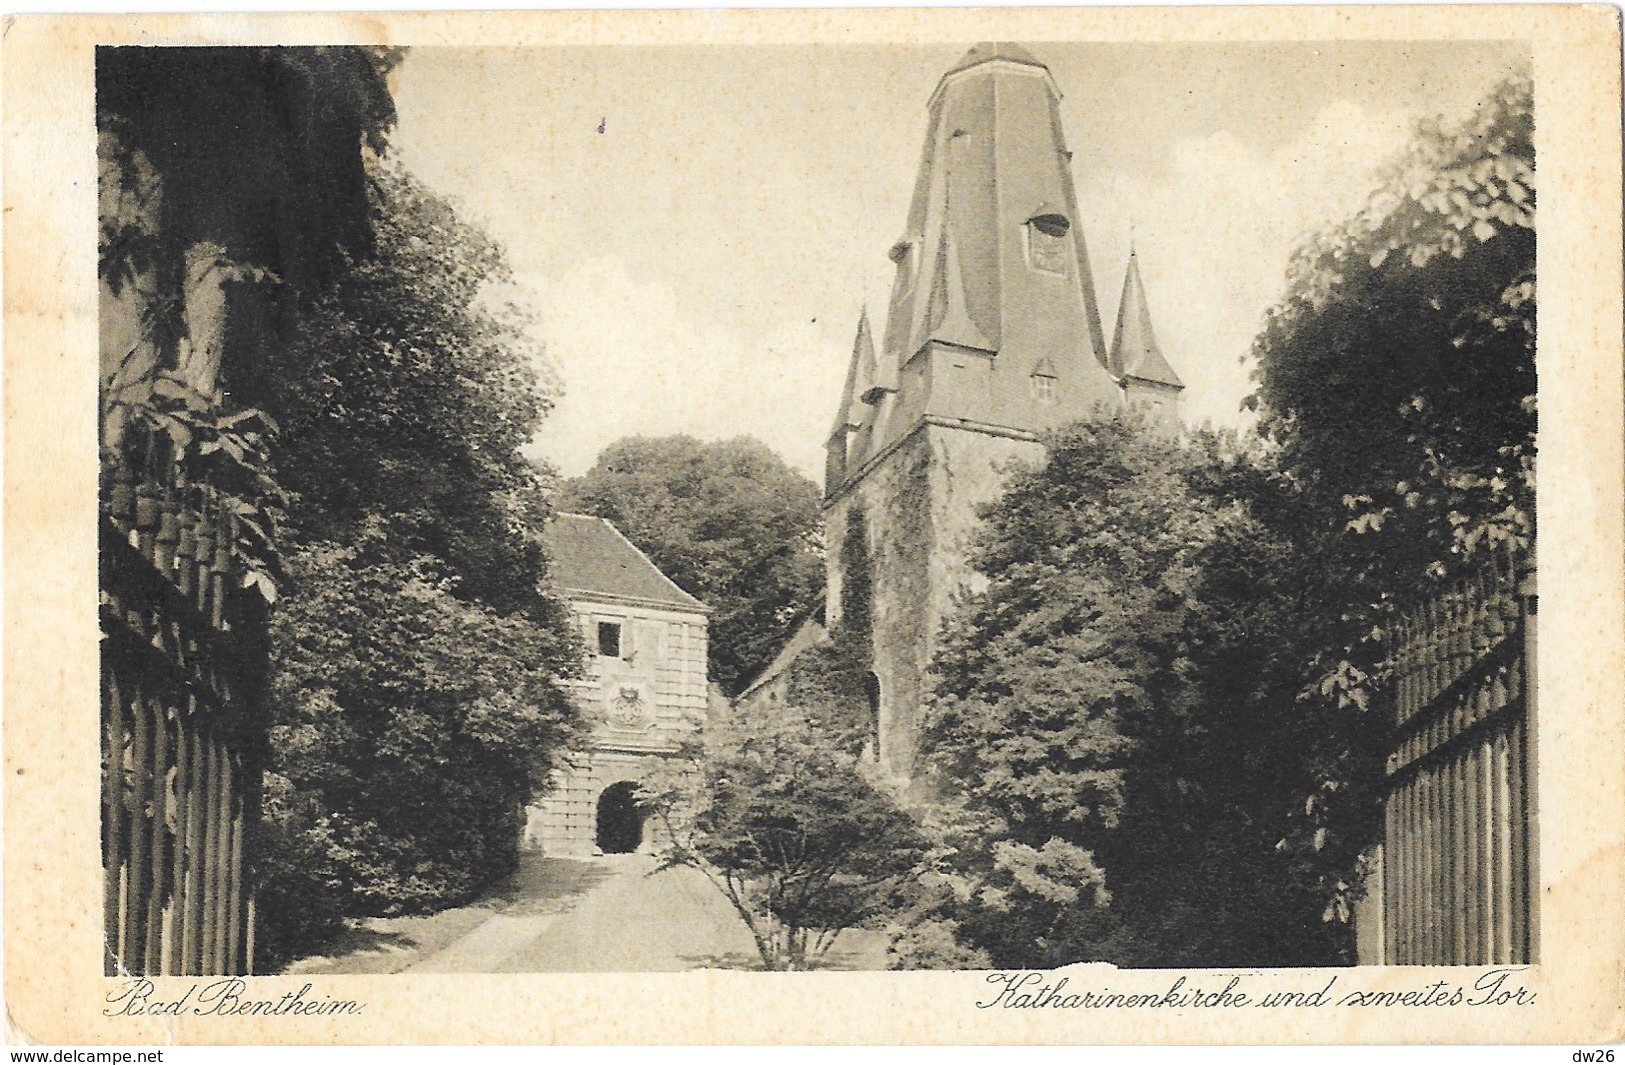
(1046, 240)
(1043, 382)
(609, 639)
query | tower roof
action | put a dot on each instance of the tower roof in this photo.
(992, 257)
(1134, 343)
(986, 51)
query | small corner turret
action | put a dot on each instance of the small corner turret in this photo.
(855, 417)
(1136, 359)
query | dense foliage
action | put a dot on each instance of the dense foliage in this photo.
(729, 521)
(1398, 374)
(774, 805)
(1113, 724)
(255, 150)
(1397, 379)
(827, 684)
(416, 692)
(777, 814)
(223, 174)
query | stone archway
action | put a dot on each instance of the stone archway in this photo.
(620, 818)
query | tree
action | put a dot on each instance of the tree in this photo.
(417, 693)
(777, 815)
(1113, 725)
(729, 521)
(1397, 380)
(1397, 374)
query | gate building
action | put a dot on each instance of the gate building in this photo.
(644, 687)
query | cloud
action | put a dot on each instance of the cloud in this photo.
(1215, 226)
(635, 362)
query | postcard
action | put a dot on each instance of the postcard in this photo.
(894, 526)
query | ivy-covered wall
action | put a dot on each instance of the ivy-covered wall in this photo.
(918, 508)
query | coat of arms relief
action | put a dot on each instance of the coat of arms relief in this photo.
(627, 704)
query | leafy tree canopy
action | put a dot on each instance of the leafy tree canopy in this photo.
(256, 148)
(1113, 725)
(408, 399)
(417, 688)
(1397, 378)
(778, 816)
(729, 521)
(1398, 373)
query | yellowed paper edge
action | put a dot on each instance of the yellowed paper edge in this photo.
(54, 991)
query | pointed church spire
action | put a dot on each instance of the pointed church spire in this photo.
(844, 450)
(860, 373)
(1135, 353)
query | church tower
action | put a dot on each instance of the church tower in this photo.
(992, 336)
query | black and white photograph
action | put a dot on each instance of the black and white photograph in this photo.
(838, 505)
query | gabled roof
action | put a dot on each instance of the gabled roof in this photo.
(588, 557)
(1134, 343)
(808, 632)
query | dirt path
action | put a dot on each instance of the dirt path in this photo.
(565, 915)
(633, 922)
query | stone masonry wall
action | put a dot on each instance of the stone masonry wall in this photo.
(640, 706)
(920, 505)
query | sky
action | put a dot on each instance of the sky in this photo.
(695, 229)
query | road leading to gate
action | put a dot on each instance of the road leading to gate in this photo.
(594, 915)
(668, 922)
(634, 922)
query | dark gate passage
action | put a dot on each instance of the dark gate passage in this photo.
(620, 819)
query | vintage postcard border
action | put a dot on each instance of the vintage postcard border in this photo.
(54, 991)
